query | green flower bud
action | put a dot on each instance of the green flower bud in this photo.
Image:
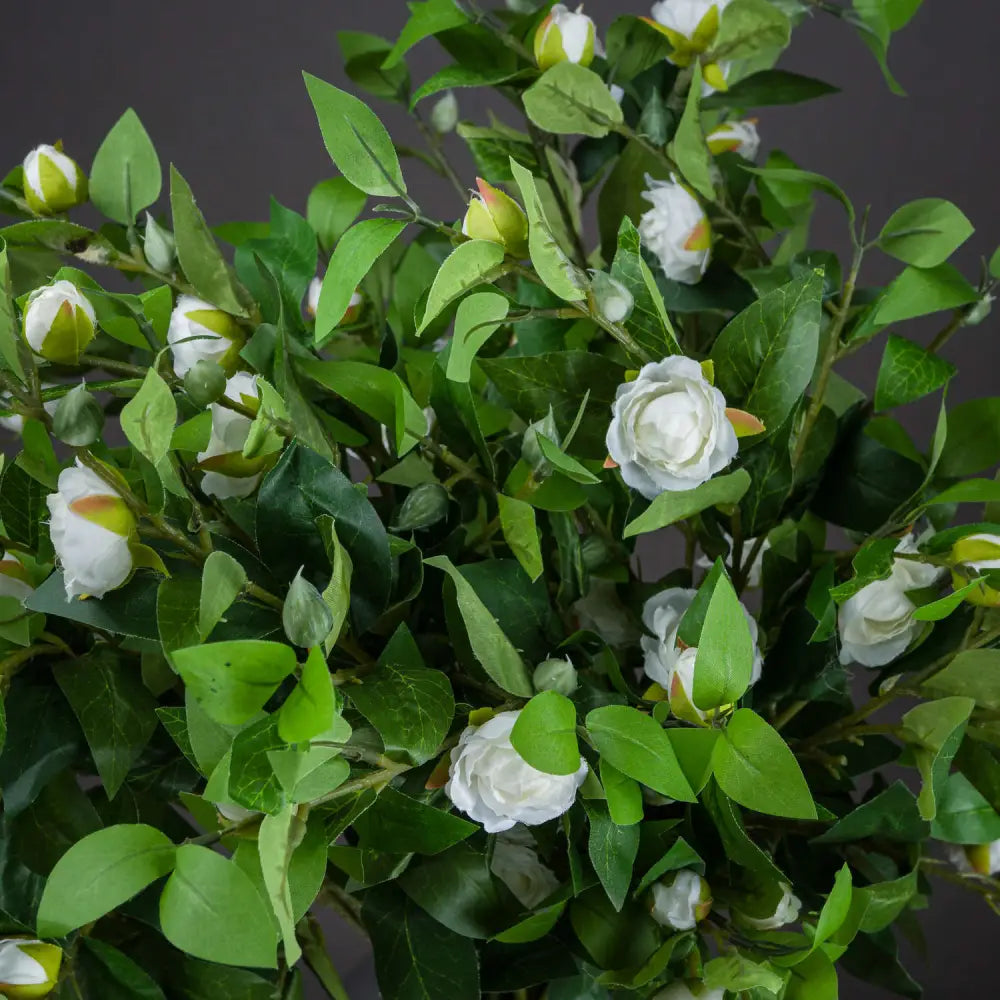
(444, 114)
(424, 505)
(58, 322)
(556, 675)
(28, 968)
(531, 451)
(496, 217)
(613, 300)
(306, 618)
(977, 554)
(596, 552)
(565, 36)
(205, 382)
(159, 246)
(979, 311)
(79, 418)
(52, 181)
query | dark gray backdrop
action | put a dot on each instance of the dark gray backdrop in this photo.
(218, 85)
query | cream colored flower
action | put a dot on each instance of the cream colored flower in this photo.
(676, 230)
(735, 137)
(200, 332)
(227, 472)
(681, 900)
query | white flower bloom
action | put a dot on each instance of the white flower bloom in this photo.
(14, 579)
(516, 863)
(312, 296)
(669, 429)
(91, 527)
(17, 967)
(200, 332)
(58, 321)
(565, 36)
(689, 991)
(685, 16)
(677, 230)
(786, 912)
(735, 137)
(975, 859)
(223, 457)
(910, 574)
(682, 901)
(756, 567)
(15, 422)
(491, 783)
(52, 181)
(600, 611)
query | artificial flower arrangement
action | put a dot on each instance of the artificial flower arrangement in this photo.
(321, 586)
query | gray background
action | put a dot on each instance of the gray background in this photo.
(217, 84)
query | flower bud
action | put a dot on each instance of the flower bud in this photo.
(556, 675)
(689, 25)
(306, 617)
(425, 504)
(980, 554)
(205, 382)
(596, 552)
(531, 451)
(79, 418)
(352, 312)
(200, 332)
(159, 246)
(681, 900)
(613, 300)
(979, 311)
(565, 36)
(496, 217)
(28, 968)
(735, 137)
(444, 114)
(58, 322)
(15, 580)
(977, 859)
(52, 181)
(769, 909)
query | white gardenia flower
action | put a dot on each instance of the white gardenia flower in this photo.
(786, 912)
(516, 863)
(27, 966)
(682, 901)
(735, 137)
(669, 429)
(52, 181)
(975, 859)
(15, 422)
(200, 332)
(58, 322)
(689, 991)
(492, 784)
(227, 472)
(756, 567)
(565, 36)
(91, 528)
(677, 230)
(15, 580)
(686, 16)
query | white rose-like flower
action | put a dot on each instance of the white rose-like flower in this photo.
(685, 17)
(975, 859)
(677, 230)
(756, 567)
(227, 473)
(669, 429)
(27, 966)
(58, 322)
(910, 574)
(14, 579)
(15, 422)
(735, 137)
(516, 863)
(785, 912)
(491, 783)
(200, 332)
(681, 902)
(52, 181)
(689, 991)
(91, 529)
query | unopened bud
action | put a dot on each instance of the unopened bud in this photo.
(424, 505)
(979, 311)
(444, 114)
(59, 322)
(28, 968)
(681, 900)
(205, 382)
(613, 300)
(768, 908)
(980, 554)
(565, 36)
(556, 675)
(306, 618)
(158, 246)
(595, 552)
(531, 450)
(52, 181)
(496, 217)
(79, 418)
(735, 137)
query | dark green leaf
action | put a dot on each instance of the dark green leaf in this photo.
(612, 850)
(908, 372)
(769, 87)
(892, 815)
(398, 824)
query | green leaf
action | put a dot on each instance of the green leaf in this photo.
(356, 140)
(925, 233)
(114, 708)
(456, 76)
(934, 731)
(337, 593)
(963, 814)
(736, 972)
(748, 28)
(806, 178)
(767, 88)
(210, 909)
(638, 746)
(520, 532)
(724, 661)
(564, 463)
(490, 645)
(478, 317)
(624, 796)
(222, 581)
(973, 441)
(571, 100)
(690, 151)
(398, 824)
(233, 680)
(353, 257)
(973, 673)
(409, 704)
(694, 753)
(277, 839)
(309, 709)
(99, 873)
(125, 177)
(107, 973)
(668, 508)
(836, 907)
(891, 815)
(197, 250)
(878, 20)
(612, 850)
(177, 612)
(922, 291)
(472, 263)
(908, 372)
(764, 358)
(332, 207)
(545, 734)
(739, 846)
(426, 19)
(755, 768)
(148, 418)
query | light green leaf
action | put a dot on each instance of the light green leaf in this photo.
(810, 180)
(491, 647)
(737, 973)
(908, 372)
(940, 609)
(564, 463)
(426, 19)
(571, 100)
(148, 418)
(836, 907)
(690, 151)
(99, 873)
(477, 319)
(934, 731)
(748, 28)
(520, 532)
(125, 176)
(973, 438)
(353, 257)
(638, 746)
(309, 709)
(332, 208)
(277, 839)
(210, 909)
(233, 680)
(456, 75)
(337, 593)
(754, 767)
(222, 581)
(545, 734)
(922, 291)
(975, 674)
(925, 233)
(356, 140)
(624, 796)
(724, 661)
(475, 262)
(668, 508)
(963, 814)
